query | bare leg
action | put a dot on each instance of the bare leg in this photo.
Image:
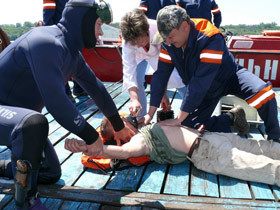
(135, 148)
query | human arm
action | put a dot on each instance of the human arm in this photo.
(148, 117)
(135, 148)
(165, 104)
(94, 150)
(135, 104)
(216, 12)
(49, 8)
(144, 5)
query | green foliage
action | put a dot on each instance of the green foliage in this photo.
(243, 29)
(112, 31)
(15, 31)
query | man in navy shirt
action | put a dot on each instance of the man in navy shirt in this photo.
(40, 63)
(207, 9)
(198, 51)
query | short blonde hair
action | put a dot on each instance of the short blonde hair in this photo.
(133, 25)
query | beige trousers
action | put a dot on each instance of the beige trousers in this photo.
(246, 159)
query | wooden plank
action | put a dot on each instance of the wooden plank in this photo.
(153, 178)
(203, 184)
(234, 188)
(276, 191)
(261, 191)
(53, 203)
(93, 178)
(71, 170)
(4, 200)
(120, 198)
(131, 208)
(177, 181)
(117, 198)
(66, 205)
(126, 180)
(88, 205)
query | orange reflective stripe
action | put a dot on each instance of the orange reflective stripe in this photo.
(216, 10)
(261, 97)
(179, 5)
(211, 56)
(164, 56)
(205, 27)
(49, 5)
(143, 8)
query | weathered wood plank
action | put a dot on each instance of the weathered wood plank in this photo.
(234, 188)
(131, 208)
(4, 200)
(261, 191)
(71, 170)
(203, 184)
(53, 203)
(177, 181)
(153, 178)
(93, 178)
(126, 180)
(88, 205)
(73, 205)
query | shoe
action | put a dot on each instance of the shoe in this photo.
(72, 99)
(239, 120)
(78, 94)
(34, 203)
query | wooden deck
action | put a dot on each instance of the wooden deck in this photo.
(153, 186)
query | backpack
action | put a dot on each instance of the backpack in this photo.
(4, 40)
(105, 164)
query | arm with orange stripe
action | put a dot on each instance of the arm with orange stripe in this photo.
(205, 74)
(49, 7)
(144, 5)
(216, 12)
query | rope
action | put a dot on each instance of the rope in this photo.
(108, 61)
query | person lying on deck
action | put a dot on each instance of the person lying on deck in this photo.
(218, 153)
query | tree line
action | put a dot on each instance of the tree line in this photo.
(16, 30)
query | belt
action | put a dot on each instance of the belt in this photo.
(194, 146)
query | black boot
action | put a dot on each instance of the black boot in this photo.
(239, 121)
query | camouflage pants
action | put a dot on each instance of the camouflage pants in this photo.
(246, 159)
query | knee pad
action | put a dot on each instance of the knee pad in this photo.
(34, 133)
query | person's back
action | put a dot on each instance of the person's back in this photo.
(151, 7)
(52, 11)
(207, 9)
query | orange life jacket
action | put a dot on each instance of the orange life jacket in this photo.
(106, 164)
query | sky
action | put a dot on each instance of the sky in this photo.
(233, 11)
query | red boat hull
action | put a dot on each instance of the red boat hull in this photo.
(259, 54)
(105, 61)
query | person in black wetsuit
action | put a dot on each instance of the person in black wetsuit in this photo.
(40, 63)
(52, 11)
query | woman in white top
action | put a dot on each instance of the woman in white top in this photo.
(141, 45)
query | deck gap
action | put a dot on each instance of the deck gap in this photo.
(143, 172)
(190, 178)
(251, 191)
(219, 187)
(164, 179)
